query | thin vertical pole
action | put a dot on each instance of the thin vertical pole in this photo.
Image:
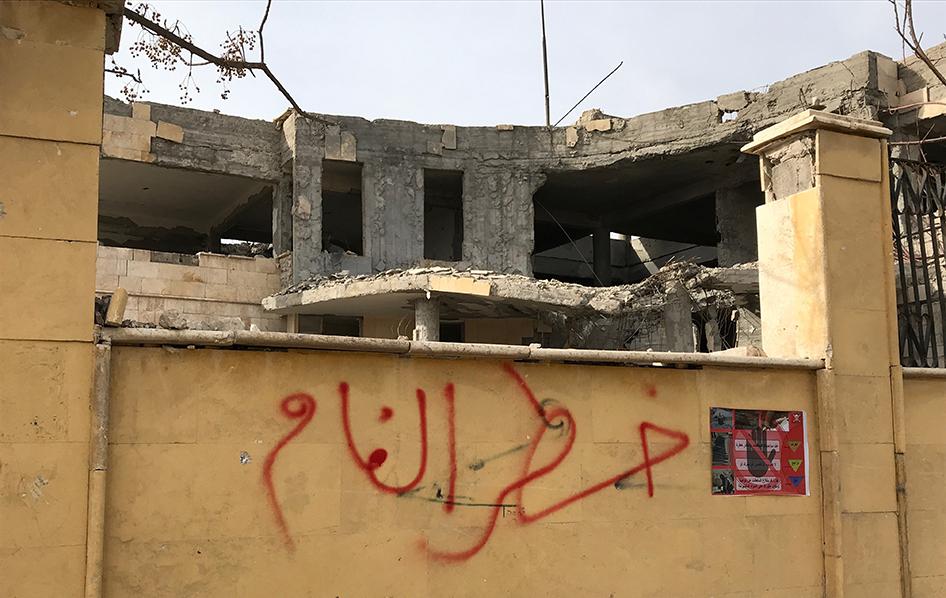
(545, 66)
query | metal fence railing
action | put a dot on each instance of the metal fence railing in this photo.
(918, 206)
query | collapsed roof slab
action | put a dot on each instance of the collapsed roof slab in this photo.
(477, 293)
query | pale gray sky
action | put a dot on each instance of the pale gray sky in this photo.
(480, 62)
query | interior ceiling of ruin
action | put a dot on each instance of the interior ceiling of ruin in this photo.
(158, 196)
(670, 198)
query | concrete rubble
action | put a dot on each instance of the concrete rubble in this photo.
(600, 317)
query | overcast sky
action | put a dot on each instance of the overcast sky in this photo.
(480, 62)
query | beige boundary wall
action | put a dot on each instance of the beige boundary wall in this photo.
(184, 492)
(212, 290)
(190, 511)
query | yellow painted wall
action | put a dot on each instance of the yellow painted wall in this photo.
(925, 408)
(51, 58)
(186, 517)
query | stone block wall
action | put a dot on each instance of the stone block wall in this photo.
(209, 291)
(51, 59)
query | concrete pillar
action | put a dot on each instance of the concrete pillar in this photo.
(282, 212)
(678, 321)
(735, 222)
(602, 256)
(826, 291)
(302, 137)
(427, 319)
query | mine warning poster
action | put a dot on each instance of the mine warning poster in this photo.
(759, 452)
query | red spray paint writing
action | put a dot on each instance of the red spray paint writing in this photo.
(302, 407)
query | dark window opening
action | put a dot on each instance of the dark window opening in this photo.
(342, 230)
(443, 215)
(452, 332)
(332, 325)
(174, 210)
(341, 325)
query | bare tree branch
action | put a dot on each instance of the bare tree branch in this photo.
(262, 52)
(124, 73)
(907, 32)
(225, 65)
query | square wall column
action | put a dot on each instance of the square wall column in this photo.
(827, 292)
(301, 230)
(51, 78)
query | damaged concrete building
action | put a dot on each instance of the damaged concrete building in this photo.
(613, 232)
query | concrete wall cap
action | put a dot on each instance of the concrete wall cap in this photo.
(812, 120)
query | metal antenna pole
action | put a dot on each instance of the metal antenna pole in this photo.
(545, 66)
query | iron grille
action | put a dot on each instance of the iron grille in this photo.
(918, 202)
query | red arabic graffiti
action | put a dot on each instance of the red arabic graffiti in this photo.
(299, 406)
(302, 407)
(378, 456)
(449, 395)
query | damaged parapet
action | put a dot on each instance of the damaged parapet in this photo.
(684, 307)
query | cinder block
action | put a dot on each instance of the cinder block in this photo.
(48, 487)
(170, 131)
(117, 125)
(212, 260)
(56, 24)
(132, 284)
(849, 156)
(117, 141)
(868, 478)
(141, 269)
(871, 549)
(34, 105)
(105, 282)
(110, 266)
(222, 292)
(141, 111)
(178, 288)
(48, 289)
(50, 190)
(113, 151)
(55, 378)
(862, 408)
(254, 279)
(859, 342)
(115, 253)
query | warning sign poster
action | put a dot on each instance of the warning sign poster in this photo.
(758, 452)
